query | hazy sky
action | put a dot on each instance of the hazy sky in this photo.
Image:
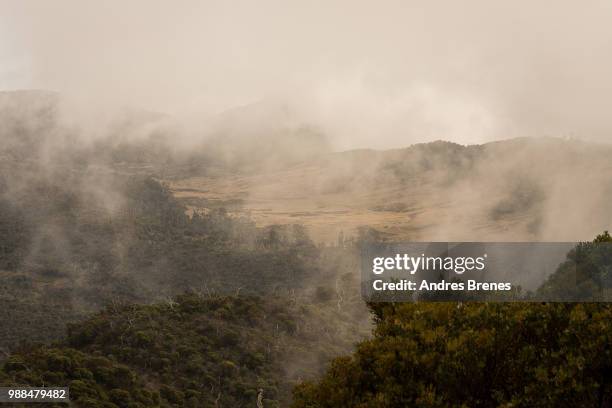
(375, 73)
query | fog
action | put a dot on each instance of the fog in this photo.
(384, 74)
(169, 146)
(254, 86)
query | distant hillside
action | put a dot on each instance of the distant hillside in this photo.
(81, 241)
(42, 126)
(513, 190)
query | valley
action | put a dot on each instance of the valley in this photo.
(506, 191)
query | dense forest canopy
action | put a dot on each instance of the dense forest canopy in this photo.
(231, 349)
(481, 354)
(193, 351)
(114, 285)
(200, 309)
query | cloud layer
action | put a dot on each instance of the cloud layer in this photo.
(375, 74)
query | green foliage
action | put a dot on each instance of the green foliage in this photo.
(76, 256)
(94, 381)
(605, 237)
(190, 351)
(479, 354)
(64, 254)
(586, 275)
(476, 355)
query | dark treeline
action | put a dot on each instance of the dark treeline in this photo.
(59, 236)
(192, 351)
(197, 308)
(109, 285)
(264, 307)
(479, 354)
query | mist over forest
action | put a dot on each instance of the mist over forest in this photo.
(186, 191)
(246, 241)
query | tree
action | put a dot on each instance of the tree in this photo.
(475, 355)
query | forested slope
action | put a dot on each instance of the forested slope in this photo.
(190, 351)
(483, 354)
(262, 309)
